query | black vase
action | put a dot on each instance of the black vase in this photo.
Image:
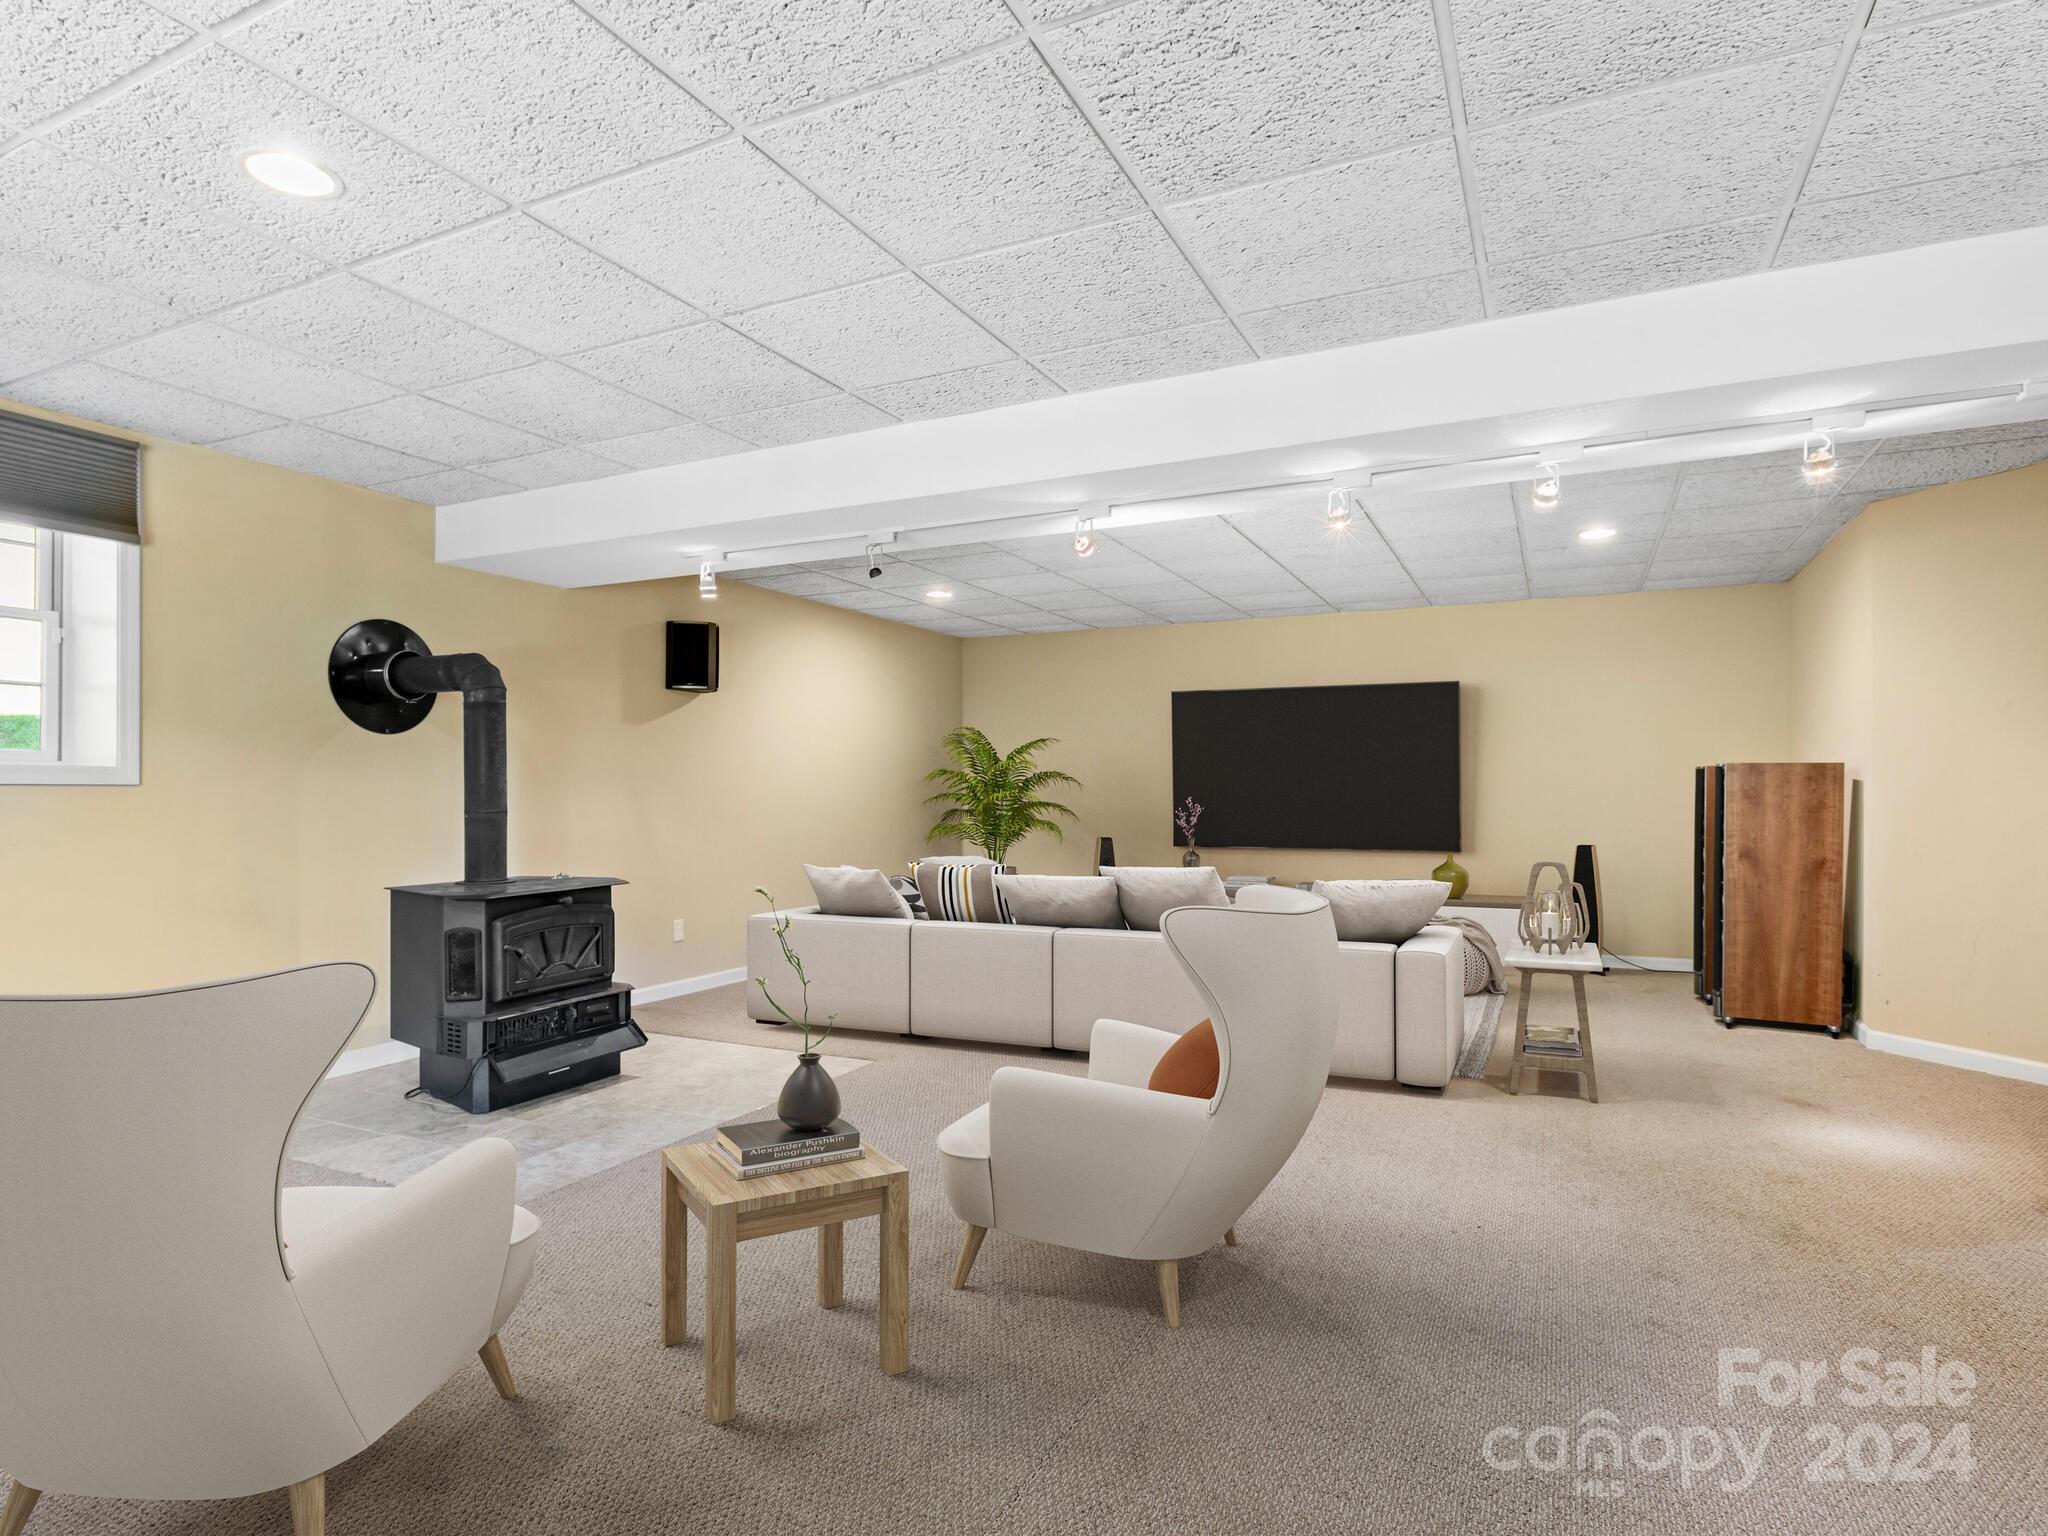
(810, 1099)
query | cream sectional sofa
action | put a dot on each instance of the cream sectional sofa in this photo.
(1401, 1014)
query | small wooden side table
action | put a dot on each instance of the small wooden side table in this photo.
(695, 1178)
(1578, 964)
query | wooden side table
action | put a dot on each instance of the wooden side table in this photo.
(695, 1178)
(1577, 964)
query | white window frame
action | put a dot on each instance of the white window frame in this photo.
(48, 765)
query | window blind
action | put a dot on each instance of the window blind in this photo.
(69, 480)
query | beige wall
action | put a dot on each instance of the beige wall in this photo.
(266, 826)
(1923, 646)
(1583, 719)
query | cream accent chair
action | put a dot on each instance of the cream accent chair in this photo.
(1103, 1163)
(173, 1325)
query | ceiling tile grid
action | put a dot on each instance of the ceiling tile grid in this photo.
(1008, 201)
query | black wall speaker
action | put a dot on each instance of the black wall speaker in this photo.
(1586, 870)
(1105, 851)
(693, 657)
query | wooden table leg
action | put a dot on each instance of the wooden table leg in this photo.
(831, 1264)
(675, 1261)
(896, 1276)
(1521, 1033)
(721, 1302)
(1585, 1039)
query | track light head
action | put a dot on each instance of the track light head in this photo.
(1817, 458)
(1084, 537)
(1548, 490)
(874, 553)
(707, 580)
(1337, 510)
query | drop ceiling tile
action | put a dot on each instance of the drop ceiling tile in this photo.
(1739, 522)
(1105, 616)
(1683, 583)
(557, 402)
(1700, 151)
(1193, 536)
(1046, 12)
(1055, 552)
(1466, 567)
(1137, 358)
(1552, 564)
(1726, 568)
(1591, 586)
(1044, 624)
(683, 444)
(121, 400)
(1713, 546)
(901, 576)
(1152, 593)
(982, 388)
(883, 605)
(55, 52)
(1616, 494)
(1203, 94)
(1350, 319)
(1464, 544)
(230, 366)
(723, 226)
(1939, 99)
(1279, 608)
(299, 446)
(1037, 586)
(1202, 611)
(1258, 583)
(1596, 272)
(879, 332)
(1342, 229)
(355, 324)
(1118, 579)
(1521, 56)
(1118, 279)
(446, 487)
(432, 430)
(1904, 469)
(977, 566)
(1749, 486)
(979, 153)
(186, 127)
(530, 285)
(758, 58)
(49, 317)
(1252, 563)
(1397, 513)
(992, 610)
(1892, 13)
(1892, 218)
(1962, 437)
(1441, 587)
(704, 370)
(833, 416)
(801, 583)
(555, 466)
(82, 219)
(523, 96)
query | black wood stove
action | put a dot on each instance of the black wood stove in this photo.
(505, 985)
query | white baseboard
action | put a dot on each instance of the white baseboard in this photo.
(1966, 1057)
(1651, 962)
(364, 1057)
(385, 1052)
(661, 992)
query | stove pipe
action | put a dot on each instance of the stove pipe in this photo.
(384, 678)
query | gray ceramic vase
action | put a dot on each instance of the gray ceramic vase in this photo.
(810, 1099)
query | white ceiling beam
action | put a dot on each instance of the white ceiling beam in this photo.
(1936, 320)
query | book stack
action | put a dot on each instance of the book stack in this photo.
(1552, 1040)
(757, 1147)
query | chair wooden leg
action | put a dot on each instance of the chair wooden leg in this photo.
(1230, 1237)
(493, 1357)
(1169, 1290)
(968, 1250)
(309, 1506)
(21, 1502)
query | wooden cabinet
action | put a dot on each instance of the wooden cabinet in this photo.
(1767, 945)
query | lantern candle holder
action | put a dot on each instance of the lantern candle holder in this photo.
(1554, 918)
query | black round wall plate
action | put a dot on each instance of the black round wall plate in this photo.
(357, 676)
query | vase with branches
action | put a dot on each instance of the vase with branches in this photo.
(1185, 817)
(994, 799)
(810, 1099)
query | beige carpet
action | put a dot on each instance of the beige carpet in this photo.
(1428, 1267)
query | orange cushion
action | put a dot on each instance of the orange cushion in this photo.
(1190, 1065)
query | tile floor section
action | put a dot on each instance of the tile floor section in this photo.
(671, 1088)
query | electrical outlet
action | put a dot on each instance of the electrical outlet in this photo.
(679, 931)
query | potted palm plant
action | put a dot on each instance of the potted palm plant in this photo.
(994, 798)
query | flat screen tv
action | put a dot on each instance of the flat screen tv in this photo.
(1366, 767)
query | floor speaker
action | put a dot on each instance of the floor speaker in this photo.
(1105, 852)
(1586, 871)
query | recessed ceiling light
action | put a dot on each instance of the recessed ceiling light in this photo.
(1595, 535)
(939, 595)
(282, 171)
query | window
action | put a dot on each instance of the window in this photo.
(69, 655)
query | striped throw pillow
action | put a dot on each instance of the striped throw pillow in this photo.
(961, 893)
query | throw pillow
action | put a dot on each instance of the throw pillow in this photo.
(961, 893)
(1382, 911)
(847, 890)
(1148, 894)
(913, 898)
(1191, 1065)
(1062, 901)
